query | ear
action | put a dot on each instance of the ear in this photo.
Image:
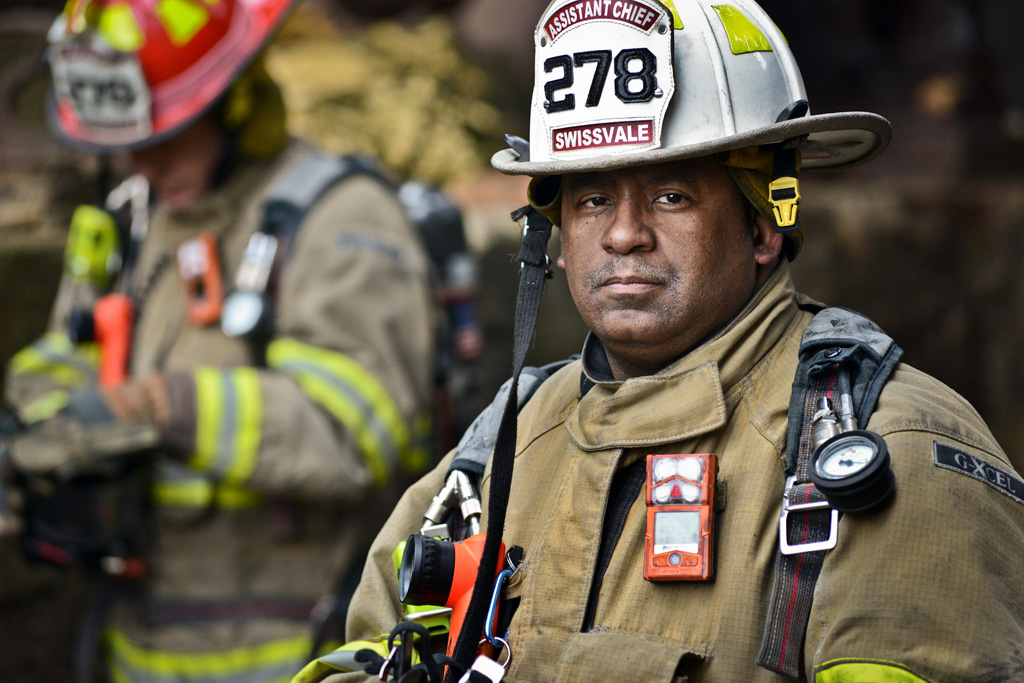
(767, 240)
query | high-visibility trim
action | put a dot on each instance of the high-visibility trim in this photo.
(44, 407)
(54, 356)
(744, 36)
(353, 396)
(119, 28)
(229, 417)
(201, 493)
(677, 23)
(864, 671)
(182, 19)
(272, 662)
(343, 660)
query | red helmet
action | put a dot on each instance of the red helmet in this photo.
(128, 73)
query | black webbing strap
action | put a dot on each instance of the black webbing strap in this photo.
(797, 574)
(838, 344)
(534, 260)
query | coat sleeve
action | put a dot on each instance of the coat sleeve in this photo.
(928, 588)
(342, 404)
(42, 377)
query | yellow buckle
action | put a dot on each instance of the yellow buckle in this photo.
(785, 208)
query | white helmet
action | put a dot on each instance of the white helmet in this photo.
(629, 82)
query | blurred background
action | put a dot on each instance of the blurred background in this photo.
(927, 240)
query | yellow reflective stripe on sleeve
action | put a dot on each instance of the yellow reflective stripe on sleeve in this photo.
(272, 662)
(353, 396)
(744, 36)
(229, 417)
(864, 671)
(250, 422)
(44, 407)
(182, 19)
(203, 494)
(55, 357)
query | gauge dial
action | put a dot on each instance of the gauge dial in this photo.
(845, 457)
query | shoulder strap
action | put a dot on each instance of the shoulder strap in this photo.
(475, 447)
(301, 185)
(836, 339)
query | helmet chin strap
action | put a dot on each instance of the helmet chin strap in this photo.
(534, 271)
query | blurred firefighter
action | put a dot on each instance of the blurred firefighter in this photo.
(241, 358)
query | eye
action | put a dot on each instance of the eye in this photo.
(671, 198)
(595, 201)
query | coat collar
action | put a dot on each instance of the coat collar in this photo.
(687, 398)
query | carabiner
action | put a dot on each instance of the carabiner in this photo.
(489, 624)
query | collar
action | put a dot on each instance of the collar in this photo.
(686, 398)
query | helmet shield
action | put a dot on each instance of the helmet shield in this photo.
(628, 82)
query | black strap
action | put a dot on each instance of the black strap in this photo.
(534, 260)
(837, 345)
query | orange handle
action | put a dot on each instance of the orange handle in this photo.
(467, 559)
(114, 317)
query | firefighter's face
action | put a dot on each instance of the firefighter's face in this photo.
(660, 257)
(180, 170)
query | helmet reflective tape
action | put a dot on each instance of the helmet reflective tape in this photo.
(744, 36)
(182, 19)
(120, 29)
(720, 77)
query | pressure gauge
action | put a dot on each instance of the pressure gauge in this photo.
(852, 471)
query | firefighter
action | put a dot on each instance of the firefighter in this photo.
(733, 482)
(247, 327)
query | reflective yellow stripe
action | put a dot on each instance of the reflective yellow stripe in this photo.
(860, 671)
(270, 662)
(55, 357)
(201, 494)
(209, 416)
(229, 417)
(44, 407)
(744, 36)
(119, 28)
(249, 425)
(182, 19)
(343, 660)
(677, 23)
(353, 396)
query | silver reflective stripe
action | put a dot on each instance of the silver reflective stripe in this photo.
(228, 427)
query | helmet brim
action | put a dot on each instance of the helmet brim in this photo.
(826, 141)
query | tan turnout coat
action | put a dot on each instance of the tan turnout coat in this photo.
(932, 583)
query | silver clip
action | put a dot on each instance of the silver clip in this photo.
(383, 673)
(787, 548)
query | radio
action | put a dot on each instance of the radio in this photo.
(680, 505)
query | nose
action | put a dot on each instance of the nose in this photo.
(628, 230)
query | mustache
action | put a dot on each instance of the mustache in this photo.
(634, 266)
